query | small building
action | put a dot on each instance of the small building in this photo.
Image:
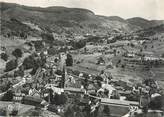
(131, 55)
(151, 58)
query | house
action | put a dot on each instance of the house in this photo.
(131, 55)
(151, 58)
(56, 36)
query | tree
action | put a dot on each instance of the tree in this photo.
(32, 62)
(12, 64)
(4, 56)
(156, 103)
(132, 45)
(152, 46)
(8, 96)
(114, 51)
(98, 78)
(43, 58)
(100, 60)
(28, 62)
(79, 44)
(69, 60)
(106, 110)
(59, 99)
(3, 112)
(17, 53)
(85, 50)
(19, 72)
(141, 50)
(52, 51)
(47, 37)
(123, 66)
(59, 72)
(162, 55)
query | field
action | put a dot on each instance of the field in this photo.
(11, 44)
(132, 75)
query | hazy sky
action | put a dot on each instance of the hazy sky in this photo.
(150, 9)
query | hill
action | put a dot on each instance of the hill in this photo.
(144, 23)
(14, 27)
(70, 21)
(151, 31)
(20, 20)
(54, 19)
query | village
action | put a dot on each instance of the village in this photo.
(74, 58)
(82, 78)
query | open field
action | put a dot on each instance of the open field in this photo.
(11, 44)
(130, 74)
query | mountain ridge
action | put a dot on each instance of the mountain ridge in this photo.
(72, 20)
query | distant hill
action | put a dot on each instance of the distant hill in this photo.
(151, 31)
(66, 21)
(116, 18)
(144, 23)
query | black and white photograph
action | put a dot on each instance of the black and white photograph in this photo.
(81, 58)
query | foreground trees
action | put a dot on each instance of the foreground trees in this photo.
(12, 64)
(4, 56)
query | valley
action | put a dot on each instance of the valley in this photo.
(77, 53)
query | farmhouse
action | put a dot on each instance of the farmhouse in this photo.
(151, 58)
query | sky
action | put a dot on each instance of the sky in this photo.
(149, 9)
